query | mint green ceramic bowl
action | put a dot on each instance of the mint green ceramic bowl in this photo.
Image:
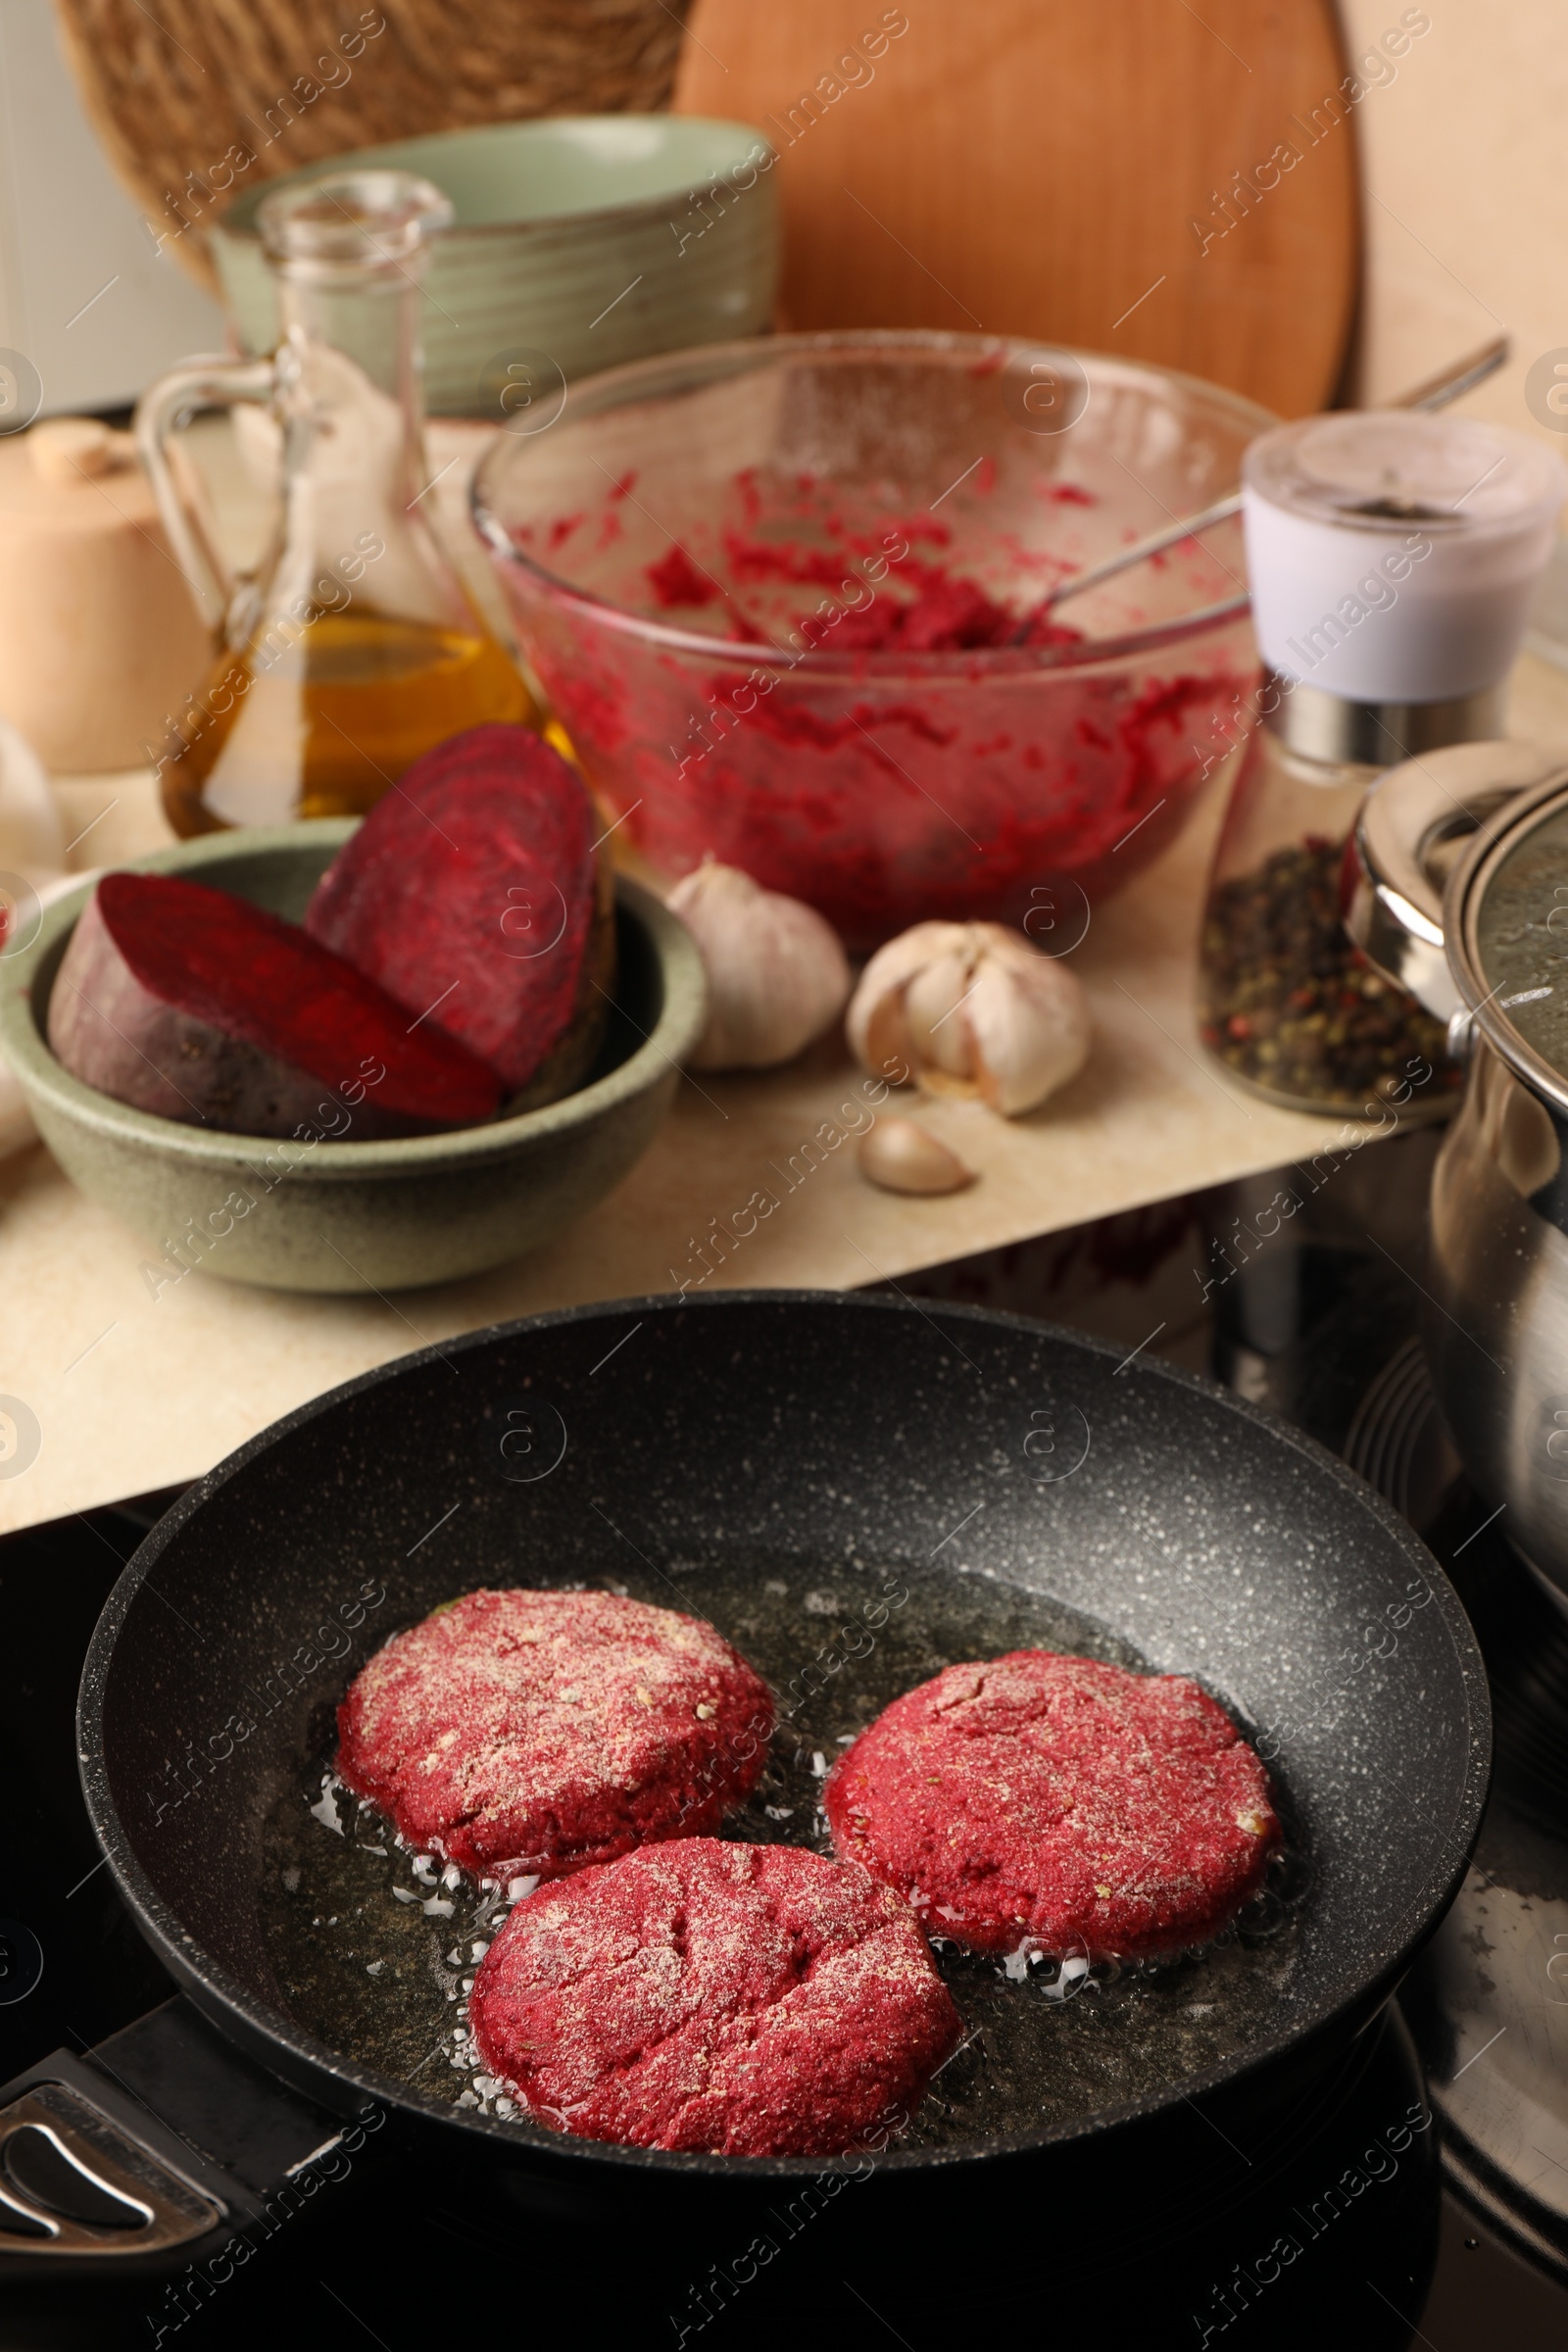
(582, 241)
(351, 1217)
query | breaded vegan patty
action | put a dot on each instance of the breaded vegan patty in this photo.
(750, 2000)
(1057, 1800)
(537, 1731)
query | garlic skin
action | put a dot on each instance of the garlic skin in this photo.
(776, 971)
(971, 1010)
(902, 1157)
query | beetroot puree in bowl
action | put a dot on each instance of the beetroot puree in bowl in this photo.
(855, 694)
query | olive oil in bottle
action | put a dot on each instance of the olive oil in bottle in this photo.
(325, 730)
(356, 647)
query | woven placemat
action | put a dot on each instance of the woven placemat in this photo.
(201, 98)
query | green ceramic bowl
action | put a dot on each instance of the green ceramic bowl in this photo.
(355, 1216)
(580, 242)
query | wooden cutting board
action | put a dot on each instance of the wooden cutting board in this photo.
(1138, 177)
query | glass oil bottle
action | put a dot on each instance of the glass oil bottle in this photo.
(356, 646)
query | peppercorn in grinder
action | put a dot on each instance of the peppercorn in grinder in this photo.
(1393, 555)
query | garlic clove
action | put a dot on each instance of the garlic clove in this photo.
(875, 1023)
(1028, 1025)
(882, 1040)
(971, 1010)
(933, 1003)
(776, 971)
(902, 1157)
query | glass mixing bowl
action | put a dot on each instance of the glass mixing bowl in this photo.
(783, 595)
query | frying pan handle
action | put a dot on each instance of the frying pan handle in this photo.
(162, 2145)
(1413, 824)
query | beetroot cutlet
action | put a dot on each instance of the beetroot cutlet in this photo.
(748, 2000)
(536, 1731)
(1057, 1800)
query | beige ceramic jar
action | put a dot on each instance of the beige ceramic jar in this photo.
(100, 640)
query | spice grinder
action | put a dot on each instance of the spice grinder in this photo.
(1392, 557)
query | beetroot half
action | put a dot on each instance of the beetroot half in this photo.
(472, 893)
(186, 1001)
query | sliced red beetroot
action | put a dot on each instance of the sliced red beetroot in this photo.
(184, 1000)
(472, 893)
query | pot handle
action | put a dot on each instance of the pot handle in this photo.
(199, 384)
(1413, 824)
(162, 2144)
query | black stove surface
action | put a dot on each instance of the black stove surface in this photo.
(1421, 2196)
(1481, 2001)
(1302, 1289)
(1484, 1999)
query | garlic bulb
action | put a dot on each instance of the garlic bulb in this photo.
(902, 1157)
(775, 969)
(971, 1008)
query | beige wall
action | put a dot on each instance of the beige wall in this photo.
(1465, 165)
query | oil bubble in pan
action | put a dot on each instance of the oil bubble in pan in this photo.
(375, 1947)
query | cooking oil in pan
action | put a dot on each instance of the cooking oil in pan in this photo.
(375, 1947)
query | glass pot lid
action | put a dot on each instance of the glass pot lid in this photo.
(1510, 943)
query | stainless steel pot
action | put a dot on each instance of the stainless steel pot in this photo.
(1433, 838)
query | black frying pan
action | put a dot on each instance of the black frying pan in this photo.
(789, 1464)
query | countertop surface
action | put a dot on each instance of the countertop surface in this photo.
(136, 1382)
